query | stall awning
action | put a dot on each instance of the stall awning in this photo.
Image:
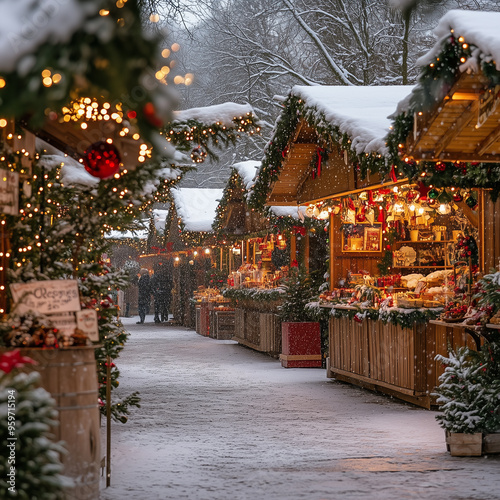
(464, 126)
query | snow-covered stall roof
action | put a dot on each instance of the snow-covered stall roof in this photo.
(478, 28)
(222, 113)
(196, 207)
(452, 113)
(360, 112)
(355, 119)
(247, 171)
(159, 219)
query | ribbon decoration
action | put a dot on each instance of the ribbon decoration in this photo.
(316, 171)
(299, 230)
(393, 174)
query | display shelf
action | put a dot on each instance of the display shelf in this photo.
(422, 267)
(423, 241)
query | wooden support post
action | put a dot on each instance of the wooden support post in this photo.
(4, 265)
(306, 251)
(247, 251)
(331, 234)
(108, 421)
(221, 257)
(293, 247)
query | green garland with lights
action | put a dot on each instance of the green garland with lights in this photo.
(201, 138)
(393, 316)
(254, 294)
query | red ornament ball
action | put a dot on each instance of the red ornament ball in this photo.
(149, 112)
(102, 160)
(440, 166)
(457, 197)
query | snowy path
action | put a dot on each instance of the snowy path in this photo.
(222, 422)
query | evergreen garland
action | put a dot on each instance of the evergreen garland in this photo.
(405, 318)
(254, 294)
(209, 136)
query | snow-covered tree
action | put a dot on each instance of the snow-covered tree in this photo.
(31, 465)
(469, 390)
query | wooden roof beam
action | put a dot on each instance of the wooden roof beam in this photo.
(457, 127)
(488, 142)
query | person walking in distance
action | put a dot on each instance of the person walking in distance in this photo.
(144, 302)
(161, 285)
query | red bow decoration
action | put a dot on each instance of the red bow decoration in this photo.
(299, 230)
(13, 359)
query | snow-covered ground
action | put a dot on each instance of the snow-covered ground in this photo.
(219, 421)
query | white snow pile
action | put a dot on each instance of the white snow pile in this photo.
(247, 170)
(25, 25)
(218, 113)
(478, 28)
(142, 232)
(360, 112)
(196, 207)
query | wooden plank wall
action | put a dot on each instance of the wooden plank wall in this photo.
(383, 353)
(349, 261)
(489, 231)
(439, 337)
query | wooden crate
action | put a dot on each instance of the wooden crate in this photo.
(491, 443)
(464, 445)
(224, 325)
(198, 319)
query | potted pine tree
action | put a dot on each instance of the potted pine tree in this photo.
(300, 333)
(469, 394)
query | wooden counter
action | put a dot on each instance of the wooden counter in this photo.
(391, 359)
(256, 325)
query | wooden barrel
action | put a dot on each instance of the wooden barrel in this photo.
(70, 375)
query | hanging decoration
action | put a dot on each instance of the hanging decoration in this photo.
(471, 201)
(433, 194)
(102, 160)
(320, 157)
(198, 154)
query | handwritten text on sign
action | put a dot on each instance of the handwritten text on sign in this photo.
(47, 297)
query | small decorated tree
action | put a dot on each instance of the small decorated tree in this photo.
(469, 390)
(31, 467)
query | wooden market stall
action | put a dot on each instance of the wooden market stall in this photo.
(272, 241)
(448, 131)
(331, 152)
(189, 243)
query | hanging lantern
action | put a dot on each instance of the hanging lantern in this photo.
(102, 160)
(433, 194)
(470, 201)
